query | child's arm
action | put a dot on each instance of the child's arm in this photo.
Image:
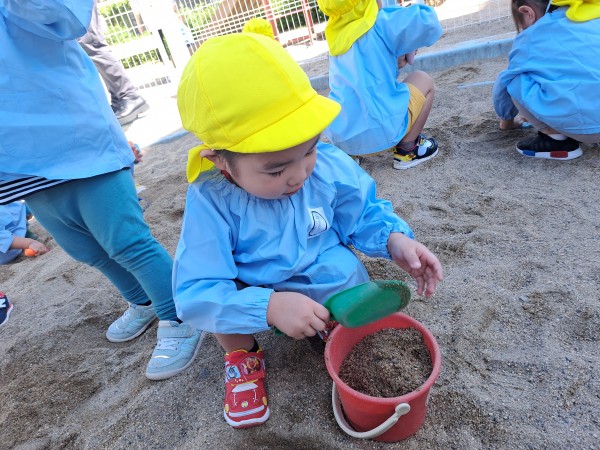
(50, 19)
(407, 29)
(296, 315)
(24, 243)
(417, 261)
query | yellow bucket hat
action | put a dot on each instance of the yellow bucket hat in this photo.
(580, 10)
(348, 20)
(259, 26)
(244, 93)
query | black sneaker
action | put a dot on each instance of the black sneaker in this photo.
(5, 308)
(543, 146)
(423, 150)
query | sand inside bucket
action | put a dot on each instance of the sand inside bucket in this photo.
(388, 363)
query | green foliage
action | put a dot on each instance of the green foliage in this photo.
(197, 19)
(122, 26)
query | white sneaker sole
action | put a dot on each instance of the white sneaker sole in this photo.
(559, 156)
(415, 162)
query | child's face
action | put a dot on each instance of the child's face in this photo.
(275, 175)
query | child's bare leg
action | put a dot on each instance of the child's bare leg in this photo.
(233, 342)
(423, 82)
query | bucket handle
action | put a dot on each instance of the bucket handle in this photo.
(400, 410)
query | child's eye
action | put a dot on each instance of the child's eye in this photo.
(276, 174)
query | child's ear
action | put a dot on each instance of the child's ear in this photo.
(528, 16)
(214, 158)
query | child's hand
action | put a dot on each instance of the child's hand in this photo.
(409, 58)
(417, 261)
(35, 248)
(137, 153)
(296, 315)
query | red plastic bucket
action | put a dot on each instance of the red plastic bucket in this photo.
(382, 419)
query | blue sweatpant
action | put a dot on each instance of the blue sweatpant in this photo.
(99, 221)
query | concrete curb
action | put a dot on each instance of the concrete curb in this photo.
(434, 61)
(428, 62)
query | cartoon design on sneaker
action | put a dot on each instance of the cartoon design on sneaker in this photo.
(246, 403)
(5, 308)
(423, 150)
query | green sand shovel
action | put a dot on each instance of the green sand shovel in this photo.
(366, 302)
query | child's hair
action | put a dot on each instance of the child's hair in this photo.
(539, 5)
(230, 157)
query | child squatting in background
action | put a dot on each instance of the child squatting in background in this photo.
(367, 47)
(553, 77)
(13, 233)
(271, 211)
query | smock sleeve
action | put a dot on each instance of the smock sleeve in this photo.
(51, 19)
(517, 64)
(204, 272)
(360, 218)
(407, 29)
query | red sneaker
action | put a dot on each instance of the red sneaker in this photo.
(246, 403)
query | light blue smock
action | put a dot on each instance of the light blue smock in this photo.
(364, 80)
(13, 223)
(52, 102)
(296, 244)
(554, 72)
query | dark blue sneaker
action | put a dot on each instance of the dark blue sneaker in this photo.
(5, 308)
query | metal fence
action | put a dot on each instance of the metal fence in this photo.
(155, 38)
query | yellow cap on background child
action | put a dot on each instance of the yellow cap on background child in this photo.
(244, 93)
(259, 26)
(580, 10)
(348, 20)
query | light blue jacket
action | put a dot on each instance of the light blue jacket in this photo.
(364, 80)
(554, 72)
(297, 244)
(12, 223)
(55, 118)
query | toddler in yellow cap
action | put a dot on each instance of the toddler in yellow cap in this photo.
(271, 211)
(368, 45)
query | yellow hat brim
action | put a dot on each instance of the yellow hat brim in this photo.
(300, 126)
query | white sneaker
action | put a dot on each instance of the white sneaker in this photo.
(176, 348)
(131, 324)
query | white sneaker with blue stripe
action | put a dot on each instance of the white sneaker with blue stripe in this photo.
(177, 346)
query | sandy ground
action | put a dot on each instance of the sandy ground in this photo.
(517, 317)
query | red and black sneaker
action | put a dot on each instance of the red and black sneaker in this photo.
(5, 308)
(246, 403)
(543, 146)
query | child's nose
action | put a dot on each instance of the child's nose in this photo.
(298, 176)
